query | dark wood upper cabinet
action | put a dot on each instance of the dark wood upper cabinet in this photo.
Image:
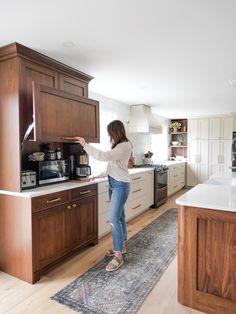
(59, 115)
(31, 72)
(19, 68)
(73, 86)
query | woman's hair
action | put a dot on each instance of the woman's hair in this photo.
(116, 131)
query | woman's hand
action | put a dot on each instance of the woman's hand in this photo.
(80, 140)
(93, 178)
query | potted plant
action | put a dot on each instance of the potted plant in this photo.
(175, 126)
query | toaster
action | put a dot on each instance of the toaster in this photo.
(28, 179)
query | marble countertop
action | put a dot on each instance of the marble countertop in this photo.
(53, 188)
(219, 193)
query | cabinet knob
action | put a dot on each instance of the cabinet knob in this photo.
(74, 205)
(68, 207)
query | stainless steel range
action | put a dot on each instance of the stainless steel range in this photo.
(160, 183)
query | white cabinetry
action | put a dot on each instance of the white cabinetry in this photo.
(219, 155)
(198, 129)
(176, 178)
(149, 187)
(141, 197)
(197, 168)
(221, 128)
(234, 123)
(209, 147)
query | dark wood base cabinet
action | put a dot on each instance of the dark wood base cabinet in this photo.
(37, 233)
(207, 260)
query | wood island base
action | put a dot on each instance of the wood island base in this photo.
(207, 259)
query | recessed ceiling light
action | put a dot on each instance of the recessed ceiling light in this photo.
(68, 44)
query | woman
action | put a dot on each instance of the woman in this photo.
(119, 185)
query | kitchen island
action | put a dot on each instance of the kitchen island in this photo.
(207, 246)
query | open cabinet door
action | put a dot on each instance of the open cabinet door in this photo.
(59, 116)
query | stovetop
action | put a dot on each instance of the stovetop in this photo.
(158, 167)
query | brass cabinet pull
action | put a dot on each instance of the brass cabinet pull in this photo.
(85, 192)
(137, 206)
(54, 200)
(137, 191)
(136, 178)
(74, 205)
(68, 207)
(70, 138)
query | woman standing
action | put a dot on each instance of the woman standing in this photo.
(119, 185)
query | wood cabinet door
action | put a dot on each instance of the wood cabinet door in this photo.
(73, 225)
(32, 72)
(89, 218)
(60, 116)
(72, 85)
(82, 222)
(49, 237)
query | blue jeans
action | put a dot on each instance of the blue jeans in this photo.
(118, 192)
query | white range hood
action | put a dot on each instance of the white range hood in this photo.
(142, 120)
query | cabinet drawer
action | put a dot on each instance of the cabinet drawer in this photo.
(103, 202)
(85, 191)
(103, 224)
(136, 177)
(103, 187)
(50, 200)
(134, 207)
(137, 190)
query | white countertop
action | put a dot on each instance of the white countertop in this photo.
(219, 193)
(172, 162)
(64, 186)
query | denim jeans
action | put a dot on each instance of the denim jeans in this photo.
(118, 192)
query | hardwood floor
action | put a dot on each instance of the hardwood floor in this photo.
(20, 297)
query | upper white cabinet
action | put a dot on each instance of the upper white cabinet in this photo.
(198, 129)
(221, 128)
(209, 147)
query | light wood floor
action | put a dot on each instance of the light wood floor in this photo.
(20, 297)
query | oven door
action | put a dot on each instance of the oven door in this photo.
(161, 179)
(160, 196)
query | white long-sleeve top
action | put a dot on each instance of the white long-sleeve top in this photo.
(118, 157)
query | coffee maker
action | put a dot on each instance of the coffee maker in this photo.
(83, 170)
(79, 163)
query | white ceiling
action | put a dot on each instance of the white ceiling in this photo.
(177, 55)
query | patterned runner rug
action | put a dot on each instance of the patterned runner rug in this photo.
(149, 252)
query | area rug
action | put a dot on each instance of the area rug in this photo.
(149, 252)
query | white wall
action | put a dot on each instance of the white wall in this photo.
(142, 143)
(109, 110)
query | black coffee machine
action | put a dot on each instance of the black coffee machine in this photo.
(79, 163)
